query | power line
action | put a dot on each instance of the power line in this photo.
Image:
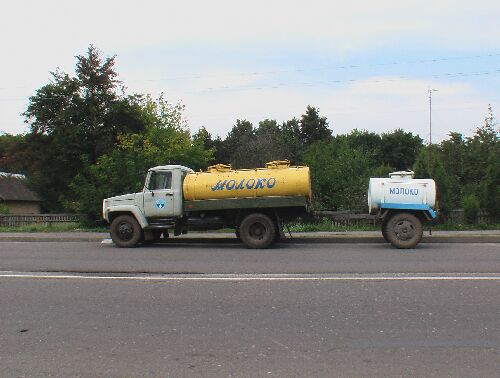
(341, 67)
(308, 84)
(299, 70)
(346, 81)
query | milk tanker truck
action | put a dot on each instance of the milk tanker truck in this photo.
(254, 202)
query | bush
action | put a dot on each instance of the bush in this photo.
(471, 208)
(4, 209)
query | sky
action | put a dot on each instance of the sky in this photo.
(366, 65)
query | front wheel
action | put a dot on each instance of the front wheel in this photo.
(125, 231)
(404, 230)
(257, 231)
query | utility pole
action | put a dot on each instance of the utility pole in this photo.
(430, 114)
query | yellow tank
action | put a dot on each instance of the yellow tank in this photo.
(221, 181)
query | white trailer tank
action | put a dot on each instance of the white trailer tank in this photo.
(400, 189)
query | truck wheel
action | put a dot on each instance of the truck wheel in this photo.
(125, 231)
(404, 230)
(257, 231)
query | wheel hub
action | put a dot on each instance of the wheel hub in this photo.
(257, 231)
(404, 230)
(125, 231)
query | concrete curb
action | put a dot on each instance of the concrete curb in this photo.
(302, 238)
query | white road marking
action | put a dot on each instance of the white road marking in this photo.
(255, 277)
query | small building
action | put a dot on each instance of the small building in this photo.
(15, 194)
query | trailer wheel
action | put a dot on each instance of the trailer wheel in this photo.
(125, 231)
(404, 230)
(257, 231)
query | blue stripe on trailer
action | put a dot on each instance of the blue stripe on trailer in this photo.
(410, 206)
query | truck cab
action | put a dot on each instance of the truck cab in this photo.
(139, 216)
(162, 193)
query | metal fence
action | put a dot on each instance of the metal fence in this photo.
(346, 218)
(359, 218)
(45, 219)
(457, 216)
(338, 218)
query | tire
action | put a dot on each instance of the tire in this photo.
(125, 231)
(404, 230)
(257, 231)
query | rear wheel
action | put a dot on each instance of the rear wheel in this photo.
(404, 230)
(125, 231)
(257, 231)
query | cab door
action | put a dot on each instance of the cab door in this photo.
(159, 195)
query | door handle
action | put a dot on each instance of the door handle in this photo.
(169, 194)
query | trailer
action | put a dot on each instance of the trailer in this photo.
(404, 204)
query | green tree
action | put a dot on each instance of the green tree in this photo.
(238, 142)
(268, 145)
(340, 175)
(75, 120)
(291, 137)
(368, 142)
(399, 149)
(471, 208)
(480, 149)
(453, 155)
(491, 195)
(167, 140)
(249, 147)
(11, 153)
(430, 164)
(313, 127)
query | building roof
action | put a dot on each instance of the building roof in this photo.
(13, 188)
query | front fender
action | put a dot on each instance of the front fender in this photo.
(134, 210)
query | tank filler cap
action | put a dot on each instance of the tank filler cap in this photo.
(220, 168)
(278, 164)
(402, 175)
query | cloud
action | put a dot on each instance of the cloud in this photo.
(48, 34)
(346, 26)
(376, 104)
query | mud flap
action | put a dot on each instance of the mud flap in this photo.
(279, 224)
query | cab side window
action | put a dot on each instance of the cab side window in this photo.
(160, 180)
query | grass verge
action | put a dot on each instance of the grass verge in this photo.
(324, 226)
(329, 226)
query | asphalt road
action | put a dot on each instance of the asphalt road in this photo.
(217, 310)
(227, 257)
